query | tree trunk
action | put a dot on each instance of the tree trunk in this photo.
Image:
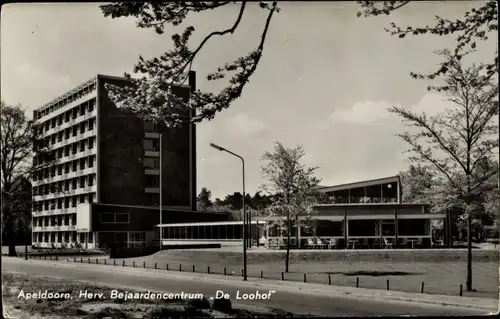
(287, 259)
(469, 237)
(9, 235)
(469, 253)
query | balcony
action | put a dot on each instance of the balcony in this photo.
(68, 106)
(72, 121)
(71, 192)
(148, 153)
(65, 176)
(151, 135)
(55, 228)
(53, 212)
(73, 139)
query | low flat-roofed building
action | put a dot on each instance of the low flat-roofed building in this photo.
(367, 214)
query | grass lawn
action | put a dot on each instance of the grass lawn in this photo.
(98, 308)
(438, 277)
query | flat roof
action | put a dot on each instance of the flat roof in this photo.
(371, 182)
(377, 205)
(238, 222)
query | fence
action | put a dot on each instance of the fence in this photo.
(284, 276)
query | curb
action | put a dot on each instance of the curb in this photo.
(309, 288)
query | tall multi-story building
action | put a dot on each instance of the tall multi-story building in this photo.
(104, 185)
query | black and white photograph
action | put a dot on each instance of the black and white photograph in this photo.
(247, 159)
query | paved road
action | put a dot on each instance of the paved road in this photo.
(295, 302)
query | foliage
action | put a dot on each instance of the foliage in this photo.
(203, 200)
(474, 27)
(458, 144)
(417, 183)
(294, 186)
(151, 95)
(18, 136)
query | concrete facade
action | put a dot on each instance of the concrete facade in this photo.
(106, 155)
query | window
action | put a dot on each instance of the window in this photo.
(107, 218)
(155, 200)
(115, 218)
(91, 161)
(149, 127)
(152, 181)
(82, 198)
(137, 236)
(122, 218)
(91, 124)
(151, 162)
(150, 145)
(91, 238)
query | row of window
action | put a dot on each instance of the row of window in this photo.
(203, 232)
(65, 168)
(361, 200)
(59, 220)
(77, 95)
(66, 202)
(69, 132)
(115, 218)
(137, 236)
(62, 236)
(66, 185)
(79, 146)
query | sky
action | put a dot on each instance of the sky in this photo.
(325, 80)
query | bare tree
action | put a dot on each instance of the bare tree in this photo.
(20, 143)
(294, 188)
(456, 143)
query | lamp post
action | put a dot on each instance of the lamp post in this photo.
(161, 193)
(244, 210)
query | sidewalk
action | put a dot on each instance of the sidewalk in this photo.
(307, 288)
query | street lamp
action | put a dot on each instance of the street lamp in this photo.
(217, 147)
(161, 193)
